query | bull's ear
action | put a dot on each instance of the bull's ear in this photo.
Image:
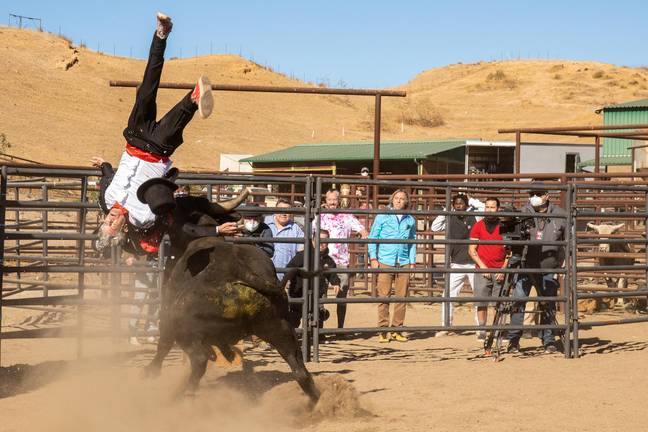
(591, 226)
(617, 227)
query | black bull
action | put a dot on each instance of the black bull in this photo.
(216, 293)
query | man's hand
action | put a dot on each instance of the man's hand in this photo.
(228, 229)
(499, 277)
(97, 161)
(488, 276)
(374, 263)
(336, 289)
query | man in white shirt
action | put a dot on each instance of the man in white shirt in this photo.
(149, 144)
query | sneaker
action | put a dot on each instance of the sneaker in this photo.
(134, 341)
(164, 25)
(481, 335)
(399, 337)
(550, 348)
(441, 333)
(513, 347)
(384, 338)
(202, 96)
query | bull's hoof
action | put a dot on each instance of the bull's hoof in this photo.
(151, 371)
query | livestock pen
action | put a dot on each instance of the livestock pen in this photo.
(48, 216)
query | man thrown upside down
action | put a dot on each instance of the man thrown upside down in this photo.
(149, 144)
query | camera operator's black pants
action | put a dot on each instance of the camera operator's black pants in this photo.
(163, 137)
(546, 286)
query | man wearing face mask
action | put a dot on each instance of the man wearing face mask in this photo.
(545, 257)
(253, 226)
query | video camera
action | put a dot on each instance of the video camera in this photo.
(516, 228)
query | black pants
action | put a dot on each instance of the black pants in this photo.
(163, 137)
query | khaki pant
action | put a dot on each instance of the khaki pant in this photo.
(401, 285)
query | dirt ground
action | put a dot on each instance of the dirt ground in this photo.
(427, 383)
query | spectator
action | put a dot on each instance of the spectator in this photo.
(295, 285)
(283, 226)
(182, 191)
(340, 225)
(487, 257)
(457, 228)
(253, 226)
(545, 257)
(386, 256)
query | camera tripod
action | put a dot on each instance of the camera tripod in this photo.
(503, 309)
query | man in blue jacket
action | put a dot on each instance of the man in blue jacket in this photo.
(393, 226)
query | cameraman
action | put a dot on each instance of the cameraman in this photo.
(545, 257)
(487, 256)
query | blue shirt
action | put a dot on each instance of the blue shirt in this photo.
(391, 226)
(284, 252)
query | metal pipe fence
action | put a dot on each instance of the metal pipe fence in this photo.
(39, 237)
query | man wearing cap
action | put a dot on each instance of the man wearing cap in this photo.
(149, 144)
(539, 256)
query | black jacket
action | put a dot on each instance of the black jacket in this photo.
(326, 262)
(262, 231)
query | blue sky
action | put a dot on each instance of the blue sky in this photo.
(357, 43)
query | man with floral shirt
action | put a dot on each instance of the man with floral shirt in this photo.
(340, 225)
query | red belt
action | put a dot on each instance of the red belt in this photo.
(144, 155)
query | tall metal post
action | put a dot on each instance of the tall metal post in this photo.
(568, 282)
(306, 342)
(574, 272)
(518, 151)
(115, 291)
(3, 198)
(81, 275)
(316, 267)
(17, 220)
(376, 153)
(446, 276)
(45, 223)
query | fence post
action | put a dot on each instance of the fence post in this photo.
(306, 342)
(3, 198)
(574, 272)
(316, 267)
(81, 275)
(567, 280)
(446, 250)
(45, 217)
(115, 291)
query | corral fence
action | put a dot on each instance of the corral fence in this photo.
(49, 214)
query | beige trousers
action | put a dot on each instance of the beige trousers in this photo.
(401, 285)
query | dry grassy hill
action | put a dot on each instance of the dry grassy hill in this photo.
(56, 105)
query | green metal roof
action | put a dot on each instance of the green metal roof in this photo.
(362, 150)
(640, 103)
(608, 160)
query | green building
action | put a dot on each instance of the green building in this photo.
(617, 154)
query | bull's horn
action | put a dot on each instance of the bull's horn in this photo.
(592, 226)
(230, 205)
(617, 227)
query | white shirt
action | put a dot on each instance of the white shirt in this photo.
(131, 173)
